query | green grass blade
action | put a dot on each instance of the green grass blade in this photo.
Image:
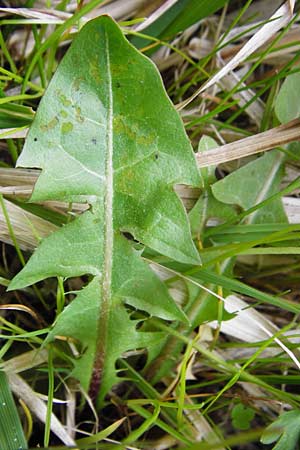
(11, 432)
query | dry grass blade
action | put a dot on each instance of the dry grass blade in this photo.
(27, 227)
(25, 361)
(118, 9)
(48, 16)
(23, 192)
(278, 20)
(292, 209)
(289, 43)
(255, 109)
(156, 14)
(249, 320)
(202, 428)
(251, 145)
(17, 307)
(17, 177)
(22, 390)
(13, 133)
(249, 325)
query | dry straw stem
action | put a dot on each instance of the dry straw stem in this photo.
(251, 145)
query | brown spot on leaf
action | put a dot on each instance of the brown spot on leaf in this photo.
(94, 71)
(76, 83)
(50, 125)
(78, 114)
(63, 99)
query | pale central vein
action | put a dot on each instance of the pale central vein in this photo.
(108, 242)
(103, 319)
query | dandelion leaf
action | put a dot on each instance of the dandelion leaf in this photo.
(106, 134)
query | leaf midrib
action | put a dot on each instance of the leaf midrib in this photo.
(103, 318)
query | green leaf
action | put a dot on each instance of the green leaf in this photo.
(178, 18)
(285, 430)
(79, 320)
(190, 12)
(242, 288)
(101, 435)
(242, 416)
(13, 115)
(287, 105)
(253, 183)
(11, 432)
(207, 206)
(106, 133)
